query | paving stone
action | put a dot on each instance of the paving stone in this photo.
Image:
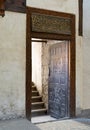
(75, 124)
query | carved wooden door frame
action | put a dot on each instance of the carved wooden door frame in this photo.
(53, 36)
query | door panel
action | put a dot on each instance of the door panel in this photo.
(58, 80)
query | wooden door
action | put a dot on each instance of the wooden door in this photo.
(58, 80)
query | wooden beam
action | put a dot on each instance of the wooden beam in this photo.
(38, 41)
(2, 8)
(80, 17)
(16, 6)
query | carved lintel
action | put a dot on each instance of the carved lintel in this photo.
(2, 8)
(50, 24)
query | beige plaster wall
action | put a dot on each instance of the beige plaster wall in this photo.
(69, 6)
(12, 65)
(86, 56)
(37, 65)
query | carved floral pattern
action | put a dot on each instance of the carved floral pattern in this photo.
(50, 24)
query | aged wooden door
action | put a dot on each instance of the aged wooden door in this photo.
(58, 80)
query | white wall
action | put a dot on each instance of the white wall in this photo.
(12, 65)
(12, 57)
(69, 6)
(86, 55)
(36, 65)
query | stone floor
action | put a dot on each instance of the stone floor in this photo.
(23, 124)
(75, 124)
(19, 124)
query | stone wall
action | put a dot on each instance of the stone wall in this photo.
(45, 70)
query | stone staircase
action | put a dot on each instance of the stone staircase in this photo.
(38, 107)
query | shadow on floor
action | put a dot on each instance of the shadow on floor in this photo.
(85, 121)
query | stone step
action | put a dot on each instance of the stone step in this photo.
(35, 93)
(39, 112)
(37, 105)
(36, 99)
(34, 88)
(33, 83)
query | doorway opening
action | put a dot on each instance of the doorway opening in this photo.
(50, 80)
(49, 26)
